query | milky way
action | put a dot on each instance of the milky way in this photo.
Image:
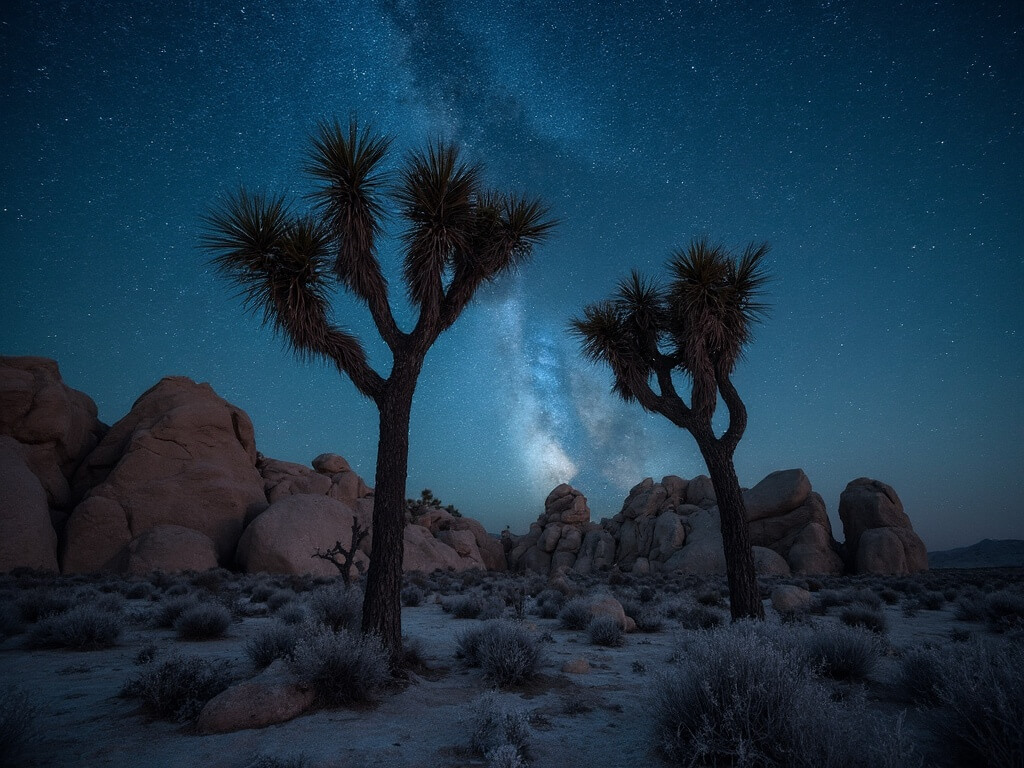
(875, 145)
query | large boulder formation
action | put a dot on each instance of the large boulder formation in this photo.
(652, 524)
(786, 516)
(555, 541)
(182, 456)
(879, 536)
(27, 538)
(284, 537)
(330, 475)
(56, 425)
(170, 548)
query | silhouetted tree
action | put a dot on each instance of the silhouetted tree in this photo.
(458, 235)
(697, 326)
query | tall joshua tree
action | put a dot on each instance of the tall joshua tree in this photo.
(697, 326)
(457, 236)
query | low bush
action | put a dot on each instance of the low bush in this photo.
(83, 628)
(10, 619)
(337, 607)
(507, 653)
(549, 603)
(1004, 611)
(293, 613)
(275, 641)
(743, 696)
(45, 601)
(203, 621)
(841, 653)
(980, 720)
(463, 606)
(498, 723)
(698, 617)
(863, 616)
(342, 667)
(178, 688)
(606, 631)
(648, 619)
(931, 600)
(921, 672)
(279, 598)
(575, 614)
(169, 609)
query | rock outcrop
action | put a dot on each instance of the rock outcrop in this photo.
(55, 425)
(879, 536)
(27, 538)
(786, 516)
(181, 456)
(555, 542)
(170, 548)
(284, 537)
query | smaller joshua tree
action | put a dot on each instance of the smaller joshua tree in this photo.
(698, 326)
(344, 565)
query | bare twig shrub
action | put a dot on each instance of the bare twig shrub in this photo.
(864, 616)
(178, 688)
(342, 667)
(841, 653)
(743, 696)
(83, 628)
(203, 621)
(507, 653)
(498, 723)
(275, 641)
(337, 607)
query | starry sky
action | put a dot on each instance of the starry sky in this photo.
(877, 146)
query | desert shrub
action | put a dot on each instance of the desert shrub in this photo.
(43, 601)
(266, 761)
(698, 617)
(342, 667)
(83, 628)
(841, 653)
(279, 598)
(958, 635)
(889, 596)
(261, 593)
(498, 723)
(828, 598)
(293, 613)
(492, 608)
(412, 596)
(17, 718)
(507, 653)
(931, 600)
(337, 607)
(606, 631)
(505, 756)
(169, 609)
(863, 616)
(463, 606)
(646, 594)
(980, 720)
(549, 603)
(743, 696)
(203, 621)
(178, 688)
(1004, 611)
(138, 590)
(921, 671)
(575, 614)
(178, 589)
(275, 641)
(648, 620)
(710, 597)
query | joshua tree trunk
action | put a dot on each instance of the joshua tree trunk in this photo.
(744, 596)
(382, 606)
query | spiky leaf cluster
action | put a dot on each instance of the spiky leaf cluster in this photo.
(699, 324)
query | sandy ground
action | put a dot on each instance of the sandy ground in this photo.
(83, 722)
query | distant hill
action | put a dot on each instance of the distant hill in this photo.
(987, 553)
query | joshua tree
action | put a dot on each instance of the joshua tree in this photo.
(457, 236)
(697, 326)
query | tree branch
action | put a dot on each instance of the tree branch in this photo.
(737, 412)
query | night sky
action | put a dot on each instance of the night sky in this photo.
(877, 146)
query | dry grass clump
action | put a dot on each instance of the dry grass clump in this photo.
(743, 695)
(177, 688)
(337, 607)
(606, 631)
(83, 628)
(501, 730)
(342, 667)
(170, 608)
(860, 615)
(202, 621)
(575, 614)
(507, 653)
(275, 641)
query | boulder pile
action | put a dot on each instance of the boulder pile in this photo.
(879, 536)
(177, 484)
